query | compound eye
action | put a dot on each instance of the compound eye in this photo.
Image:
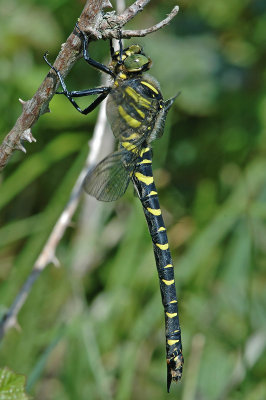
(135, 62)
(135, 48)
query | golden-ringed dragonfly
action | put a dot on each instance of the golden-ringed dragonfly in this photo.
(136, 112)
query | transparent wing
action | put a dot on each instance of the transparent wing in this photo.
(109, 179)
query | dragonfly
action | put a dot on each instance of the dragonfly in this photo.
(136, 112)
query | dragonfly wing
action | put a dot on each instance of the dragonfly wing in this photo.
(109, 179)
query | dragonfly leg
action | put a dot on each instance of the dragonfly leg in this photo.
(87, 57)
(120, 47)
(95, 103)
(87, 92)
(102, 91)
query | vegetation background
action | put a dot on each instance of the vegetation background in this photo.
(94, 328)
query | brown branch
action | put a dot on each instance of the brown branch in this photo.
(97, 26)
(143, 32)
(132, 11)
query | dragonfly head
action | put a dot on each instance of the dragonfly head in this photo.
(134, 61)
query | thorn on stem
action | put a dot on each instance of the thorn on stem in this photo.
(27, 135)
(23, 103)
(20, 147)
(107, 4)
(46, 109)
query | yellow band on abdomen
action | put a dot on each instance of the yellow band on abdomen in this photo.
(171, 315)
(154, 211)
(162, 246)
(168, 283)
(171, 342)
(143, 178)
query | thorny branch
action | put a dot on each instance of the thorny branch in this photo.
(96, 25)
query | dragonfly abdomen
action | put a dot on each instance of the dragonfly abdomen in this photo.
(146, 189)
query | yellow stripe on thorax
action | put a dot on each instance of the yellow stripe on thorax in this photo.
(141, 113)
(132, 93)
(141, 101)
(152, 193)
(144, 102)
(162, 246)
(134, 123)
(143, 178)
(145, 161)
(150, 86)
(161, 229)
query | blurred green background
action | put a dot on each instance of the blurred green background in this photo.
(94, 328)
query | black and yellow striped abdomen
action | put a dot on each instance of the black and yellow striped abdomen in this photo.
(146, 189)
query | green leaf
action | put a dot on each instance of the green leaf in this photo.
(12, 385)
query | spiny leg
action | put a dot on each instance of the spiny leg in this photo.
(102, 91)
(120, 47)
(87, 57)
